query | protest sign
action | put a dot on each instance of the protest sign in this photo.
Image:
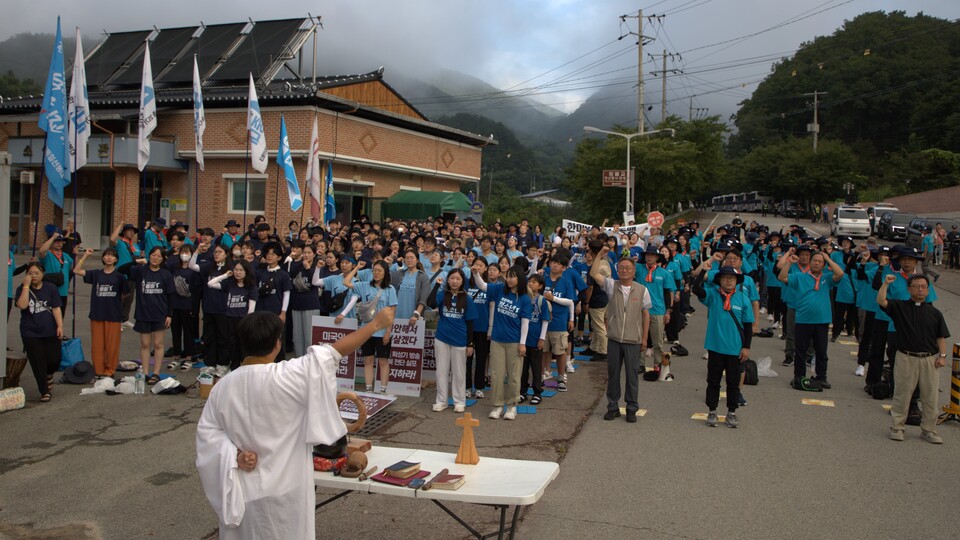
(326, 330)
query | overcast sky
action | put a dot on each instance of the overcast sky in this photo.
(561, 50)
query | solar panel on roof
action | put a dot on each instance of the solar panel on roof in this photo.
(209, 47)
(163, 49)
(265, 42)
(116, 50)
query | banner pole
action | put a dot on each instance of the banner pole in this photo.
(36, 217)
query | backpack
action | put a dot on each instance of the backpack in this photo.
(751, 376)
(881, 390)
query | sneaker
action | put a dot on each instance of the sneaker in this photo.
(478, 394)
(712, 419)
(706, 356)
(775, 325)
(770, 318)
(571, 368)
(600, 357)
(174, 365)
(469, 394)
(833, 339)
(931, 437)
(649, 353)
(859, 371)
(535, 400)
(439, 407)
(561, 386)
(185, 365)
(128, 324)
(589, 352)
(511, 413)
(632, 417)
(611, 414)
(731, 420)
(221, 371)
(787, 361)
(495, 414)
(563, 377)
(382, 390)
(823, 382)
(547, 375)
(897, 434)
(208, 370)
(459, 408)
(763, 311)
(741, 401)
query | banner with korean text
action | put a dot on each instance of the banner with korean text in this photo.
(406, 359)
(326, 330)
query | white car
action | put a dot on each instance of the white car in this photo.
(850, 221)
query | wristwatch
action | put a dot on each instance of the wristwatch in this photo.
(942, 355)
(417, 314)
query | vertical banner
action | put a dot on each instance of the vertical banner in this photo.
(429, 355)
(406, 358)
(325, 330)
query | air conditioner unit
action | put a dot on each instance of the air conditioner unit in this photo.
(26, 177)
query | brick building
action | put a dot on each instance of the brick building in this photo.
(378, 142)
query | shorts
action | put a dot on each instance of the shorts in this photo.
(148, 327)
(556, 342)
(375, 347)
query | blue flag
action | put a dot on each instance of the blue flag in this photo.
(53, 120)
(330, 206)
(285, 160)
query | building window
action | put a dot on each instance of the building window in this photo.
(256, 196)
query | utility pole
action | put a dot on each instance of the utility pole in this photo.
(640, 38)
(663, 73)
(815, 126)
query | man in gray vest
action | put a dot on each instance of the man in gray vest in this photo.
(628, 320)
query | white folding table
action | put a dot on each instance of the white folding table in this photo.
(496, 482)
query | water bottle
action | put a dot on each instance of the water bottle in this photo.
(139, 382)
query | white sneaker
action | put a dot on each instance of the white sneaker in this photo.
(859, 371)
(511, 413)
(495, 414)
(459, 408)
(185, 365)
(649, 353)
(128, 324)
(478, 394)
(439, 407)
(776, 325)
(706, 356)
(571, 368)
(547, 375)
(763, 310)
(469, 394)
(769, 317)
(563, 377)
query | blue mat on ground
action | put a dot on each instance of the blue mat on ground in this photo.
(199, 365)
(579, 349)
(470, 402)
(526, 409)
(549, 384)
(583, 358)
(545, 393)
(553, 365)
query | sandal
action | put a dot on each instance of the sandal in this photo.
(535, 400)
(154, 379)
(45, 398)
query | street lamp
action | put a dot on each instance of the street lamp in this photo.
(628, 137)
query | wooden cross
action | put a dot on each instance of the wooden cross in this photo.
(467, 454)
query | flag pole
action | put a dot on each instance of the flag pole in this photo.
(276, 202)
(36, 217)
(246, 182)
(196, 197)
(76, 175)
(303, 208)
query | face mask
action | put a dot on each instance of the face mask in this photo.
(237, 253)
(184, 257)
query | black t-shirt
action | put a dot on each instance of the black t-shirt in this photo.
(214, 300)
(105, 294)
(918, 325)
(238, 298)
(37, 321)
(309, 298)
(186, 284)
(153, 293)
(272, 285)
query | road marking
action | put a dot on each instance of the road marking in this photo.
(853, 353)
(887, 407)
(640, 412)
(842, 342)
(703, 416)
(820, 402)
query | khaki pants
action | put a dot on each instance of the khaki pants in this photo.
(657, 336)
(505, 362)
(908, 372)
(598, 330)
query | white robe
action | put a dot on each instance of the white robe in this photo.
(280, 411)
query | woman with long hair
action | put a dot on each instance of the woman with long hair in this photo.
(41, 326)
(153, 310)
(454, 340)
(383, 295)
(239, 285)
(185, 304)
(412, 284)
(304, 299)
(476, 369)
(215, 331)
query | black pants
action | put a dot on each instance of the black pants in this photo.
(126, 301)
(183, 325)
(803, 335)
(532, 371)
(9, 307)
(863, 351)
(717, 365)
(953, 258)
(288, 333)
(775, 305)
(878, 347)
(63, 308)
(44, 357)
(231, 343)
(844, 318)
(673, 328)
(477, 364)
(211, 356)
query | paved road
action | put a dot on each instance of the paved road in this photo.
(122, 467)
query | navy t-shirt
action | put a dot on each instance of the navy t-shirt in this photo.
(36, 321)
(238, 298)
(214, 300)
(272, 285)
(309, 299)
(186, 281)
(105, 294)
(452, 324)
(153, 293)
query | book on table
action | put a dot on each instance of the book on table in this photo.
(382, 477)
(449, 482)
(402, 469)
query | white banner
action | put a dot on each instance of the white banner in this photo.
(406, 358)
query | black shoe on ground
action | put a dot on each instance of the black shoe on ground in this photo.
(833, 339)
(788, 361)
(599, 358)
(589, 352)
(632, 417)
(610, 415)
(523, 397)
(823, 382)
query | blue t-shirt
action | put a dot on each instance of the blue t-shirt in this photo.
(62, 265)
(272, 285)
(540, 313)
(366, 292)
(926, 245)
(479, 299)
(154, 288)
(509, 308)
(37, 321)
(660, 281)
(238, 298)
(813, 304)
(309, 299)
(10, 269)
(770, 270)
(407, 294)
(866, 296)
(564, 287)
(723, 336)
(452, 322)
(105, 294)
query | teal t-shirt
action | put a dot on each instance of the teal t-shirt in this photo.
(812, 301)
(54, 265)
(660, 280)
(723, 336)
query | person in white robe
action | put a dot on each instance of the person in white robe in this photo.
(258, 428)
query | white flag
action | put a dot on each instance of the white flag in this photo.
(78, 113)
(258, 143)
(313, 176)
(199, 120)
(148, 111)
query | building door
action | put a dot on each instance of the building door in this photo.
(351, 202)
(150, 194)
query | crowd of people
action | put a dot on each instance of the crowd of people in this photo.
(507, 301)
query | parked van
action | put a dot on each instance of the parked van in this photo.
(850, 221)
